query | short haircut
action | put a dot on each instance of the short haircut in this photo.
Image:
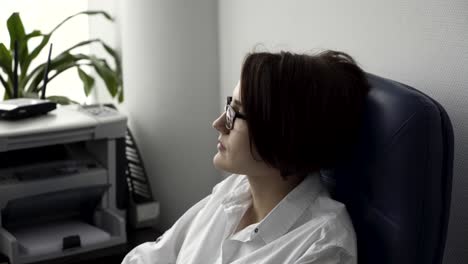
(303, 111)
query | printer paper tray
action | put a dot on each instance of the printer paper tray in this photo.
(41, 243)
(45, 239)
(28, 188)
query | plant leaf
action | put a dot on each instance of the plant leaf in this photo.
(107, 74)
(5, 59)
(105, 14)
(47, 37)
(98, 12)
(16, 29)
(118, 66)
(88, 81)
(6, 86)
(109, 50)
(31, 95)
(5, 64)
(117, 60)
(65, 55)
(35, 33)
(17, 32)
(36, 51)
(82, 43)
(25, 60)
(59, 63)
(66, 60)
(121, 95)
(62, 100)
(110, 77)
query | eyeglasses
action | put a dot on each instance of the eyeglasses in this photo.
(231, 114)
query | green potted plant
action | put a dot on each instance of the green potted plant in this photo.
(30, 79)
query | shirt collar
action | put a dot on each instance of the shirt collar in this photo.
(239, 196)
(284, 214)
(288, 210)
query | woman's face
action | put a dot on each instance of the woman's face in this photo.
(233, 145)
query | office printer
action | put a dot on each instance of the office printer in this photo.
(60, 183)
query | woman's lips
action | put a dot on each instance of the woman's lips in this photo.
(221, 146)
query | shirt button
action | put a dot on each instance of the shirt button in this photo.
(157, 240)
(256, 230)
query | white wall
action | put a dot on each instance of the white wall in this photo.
(170, 67)
(421, 43)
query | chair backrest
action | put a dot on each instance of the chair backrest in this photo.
(397, 185)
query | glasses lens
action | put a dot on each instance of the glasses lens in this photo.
(229, 116)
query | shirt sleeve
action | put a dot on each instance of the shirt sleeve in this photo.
(166, 248)
(328, 255)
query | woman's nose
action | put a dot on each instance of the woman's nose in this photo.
(220, 124)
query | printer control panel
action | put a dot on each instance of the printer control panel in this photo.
(99, 111)
(110, 122)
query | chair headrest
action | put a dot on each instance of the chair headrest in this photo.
(397, 183)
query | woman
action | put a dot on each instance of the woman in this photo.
(289, 117)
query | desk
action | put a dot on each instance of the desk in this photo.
(113, 255)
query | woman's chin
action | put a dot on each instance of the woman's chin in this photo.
(219, 161)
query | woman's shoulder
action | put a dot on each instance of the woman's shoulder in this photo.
(329, 220)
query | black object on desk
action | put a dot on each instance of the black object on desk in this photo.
(4, 259)
(20, 108)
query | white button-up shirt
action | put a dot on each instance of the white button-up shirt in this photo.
(307, 226)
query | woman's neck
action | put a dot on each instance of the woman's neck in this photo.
(267, 191)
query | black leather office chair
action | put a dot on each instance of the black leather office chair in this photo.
(397, 185)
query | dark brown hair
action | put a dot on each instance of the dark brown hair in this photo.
(303, 111)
